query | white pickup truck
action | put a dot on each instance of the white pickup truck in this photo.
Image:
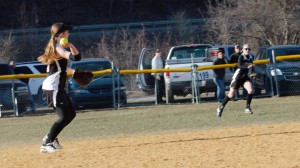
(183, 56)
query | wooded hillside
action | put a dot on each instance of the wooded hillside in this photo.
(42, 13)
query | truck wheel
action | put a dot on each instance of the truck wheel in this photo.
(257, 91)
(22, 107)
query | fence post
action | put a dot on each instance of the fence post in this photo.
(275, 73)
(113, 85)
(193, 78)
(195, 84)
(270, 79)
(119, 92)
(195, 81)
(0, 111)
(14, 99)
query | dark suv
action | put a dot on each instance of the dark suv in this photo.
(21, 96)
(100, 91)
(287, 71)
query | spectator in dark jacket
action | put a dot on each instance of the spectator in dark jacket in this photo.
(235, 56)
(219, 75)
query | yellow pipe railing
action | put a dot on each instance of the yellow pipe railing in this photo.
(107, 71)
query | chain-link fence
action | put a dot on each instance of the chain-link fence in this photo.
(273, 79)
(16, 98)
(281, 77)
(131, 88)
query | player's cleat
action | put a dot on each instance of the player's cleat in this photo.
(219, 111)
(48, 148)
(55, 142)
(248, 110)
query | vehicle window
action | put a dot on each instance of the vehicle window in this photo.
(148, 59)
(186, 52)
(262, 54)
(5, 69)
(199, 53)
(230, 51)
(23, 70)
(41, 68)
(92, 66)
(285, 52)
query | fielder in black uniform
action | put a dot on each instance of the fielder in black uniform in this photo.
(241, 78)
(56, 57)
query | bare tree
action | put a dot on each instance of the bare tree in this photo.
(131, 5)
(124, 47)
(185, 32)
(271, 22)
(7, 48)
(23, 18)
(110, 8)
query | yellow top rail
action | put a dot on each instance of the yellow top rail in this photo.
(20, 76)
(107, 71)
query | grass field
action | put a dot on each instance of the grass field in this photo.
(149, 121)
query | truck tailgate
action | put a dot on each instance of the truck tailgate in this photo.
(187, 76)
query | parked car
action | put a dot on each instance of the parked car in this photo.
(100, 91)
(14, 88)
(35, 84)
(287, 71)
(96, 94)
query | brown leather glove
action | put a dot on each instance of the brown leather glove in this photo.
(82, 77)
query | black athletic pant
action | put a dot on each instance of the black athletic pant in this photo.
(65, 110)
(160, 88)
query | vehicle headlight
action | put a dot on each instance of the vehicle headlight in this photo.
(121, 88)
(22, 88)
(80, 91)
(278, 72)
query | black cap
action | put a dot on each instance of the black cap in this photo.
(62, 27)
(220, 50)
(237, 46)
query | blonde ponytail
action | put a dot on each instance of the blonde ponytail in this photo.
(50, 53)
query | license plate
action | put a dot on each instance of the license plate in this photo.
(203, 75)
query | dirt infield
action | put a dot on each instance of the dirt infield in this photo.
(256, 146)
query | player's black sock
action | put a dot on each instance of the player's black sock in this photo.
(249, 99)
(225, 101)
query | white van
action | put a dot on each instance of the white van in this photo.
(35, 84)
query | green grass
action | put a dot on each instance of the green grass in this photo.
(150, 119)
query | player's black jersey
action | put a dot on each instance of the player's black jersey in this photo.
(243, 62)
(60, 65)
(56, 75)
